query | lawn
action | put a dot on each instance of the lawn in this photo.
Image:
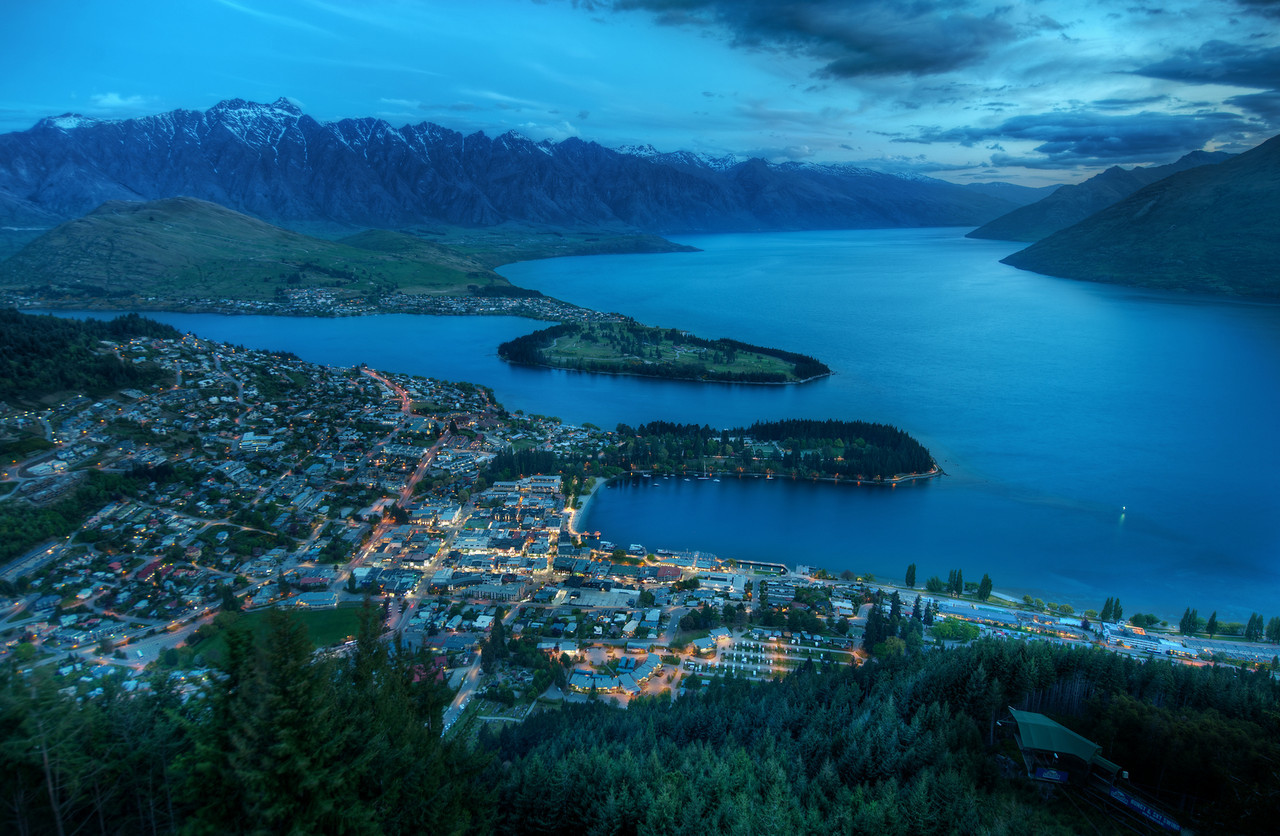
(325, 627)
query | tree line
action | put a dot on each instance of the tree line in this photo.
(844, 449)
(284, 741)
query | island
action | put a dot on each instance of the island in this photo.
(627, 347)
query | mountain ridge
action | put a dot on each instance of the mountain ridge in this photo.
(1071, 204)
(278, 164)
(1208, 229)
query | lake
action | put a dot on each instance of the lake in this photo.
(1097, 440)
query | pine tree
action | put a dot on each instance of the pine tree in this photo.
(1184, 623)
(1273, 629)
(1252, 629)
(1108, 610)
(874, 633)
(1117, 613)
(911, 576)
(1212, 626)
(984, 588)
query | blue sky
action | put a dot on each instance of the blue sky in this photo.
(1031, 92)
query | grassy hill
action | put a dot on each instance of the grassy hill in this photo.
(184, 249)
(1210, 229)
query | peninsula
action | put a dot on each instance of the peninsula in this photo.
(630, 348)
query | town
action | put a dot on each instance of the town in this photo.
(246, 481)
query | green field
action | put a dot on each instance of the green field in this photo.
(324, 627)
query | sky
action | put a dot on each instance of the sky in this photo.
(1025, 92)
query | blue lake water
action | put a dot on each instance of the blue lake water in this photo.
(1051, 404)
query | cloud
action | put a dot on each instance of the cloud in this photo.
(1127, 104)
(1266, 105)
(538, 131)
(114, 103)
(784, 153)
(1076, 138)
(771, 117)
(1266, 8)
(1219, 62)
(855, 38)
(280, 20)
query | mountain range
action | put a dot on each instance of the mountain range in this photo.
(1212, 229)
(277, 164)
(1071, 204)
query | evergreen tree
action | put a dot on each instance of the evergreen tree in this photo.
(911, 576)
(1212, 626)
(1108, 611)
(984, 588)
(1253, 630)
(1273, 629)
(875, 631)
(1117, 612)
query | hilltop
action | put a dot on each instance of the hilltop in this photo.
(186, 252)
(183, 248)
(1071, 204)
(1210, 229)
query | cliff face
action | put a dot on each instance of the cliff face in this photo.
(278, 164)
(1072, 204)
(1209, 229)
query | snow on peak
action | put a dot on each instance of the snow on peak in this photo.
(70, 121)
(638, 150)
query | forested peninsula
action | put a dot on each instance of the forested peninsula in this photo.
(630, 348)
(856, 452)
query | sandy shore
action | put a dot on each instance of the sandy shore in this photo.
(580, 513)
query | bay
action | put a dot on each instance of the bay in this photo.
(1097, 440)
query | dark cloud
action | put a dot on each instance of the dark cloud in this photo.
(1266, 8)
(1266, 105)
(1127, 104)
(854, 38)
(1219, 62)
(1086, 138)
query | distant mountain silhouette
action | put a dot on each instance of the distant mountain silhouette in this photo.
(1072, 204)
(1215, 228)
(279, 165)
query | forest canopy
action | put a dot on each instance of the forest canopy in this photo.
(905, 744)
(43, 354)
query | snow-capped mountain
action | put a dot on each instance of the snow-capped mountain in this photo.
(276, 163)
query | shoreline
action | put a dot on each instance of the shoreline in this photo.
(586, 499)
(658, 377)
(585, 504)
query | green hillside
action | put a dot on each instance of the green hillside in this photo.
(186, 249)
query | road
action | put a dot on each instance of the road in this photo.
(471, 680)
